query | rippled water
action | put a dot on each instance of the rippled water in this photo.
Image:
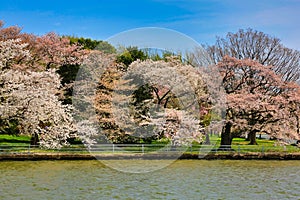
(184, 179)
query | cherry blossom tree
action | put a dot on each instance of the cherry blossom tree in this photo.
(13, 54)
(30, 98)
(47, 51)
(179, 127)
(195, 90)
(12, 32)
(258, 46)
(173, 109)
(52, 51)
(104, 106)
(92, 96)
(257, 100)
(177, 90)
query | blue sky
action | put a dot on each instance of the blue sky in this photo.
(202, 20)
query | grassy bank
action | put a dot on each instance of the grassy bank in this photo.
(11, 144)
(13, 140)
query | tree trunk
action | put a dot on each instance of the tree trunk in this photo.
(226, 137)
(207, 140)
(34, 141)
(248, 137)
(298, 124)
(252, 138)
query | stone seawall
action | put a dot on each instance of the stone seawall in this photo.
(154, 156)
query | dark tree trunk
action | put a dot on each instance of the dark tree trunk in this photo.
(252, 138)
(34, 141)
(207, 140)
(298, 124)
(226, 137)
(248, 137)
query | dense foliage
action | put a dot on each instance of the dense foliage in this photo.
(90, 44)
(258, 100)
(137, 96)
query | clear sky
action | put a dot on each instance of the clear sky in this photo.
(202, 20)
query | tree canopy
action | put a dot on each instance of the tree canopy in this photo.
(261, 47)
(258, 100)
(140, 97)
(90, 44)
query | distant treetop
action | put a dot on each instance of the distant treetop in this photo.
(88, 43)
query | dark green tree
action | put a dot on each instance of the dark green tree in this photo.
(131, 54)
(91, 44)
(68, 74)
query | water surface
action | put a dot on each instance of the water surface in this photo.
(184, 179)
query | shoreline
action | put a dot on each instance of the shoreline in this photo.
(148, 156)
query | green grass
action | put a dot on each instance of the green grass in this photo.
(12, 140)
(215, 140)
(17, 143)
(242, 141)
(242, 146)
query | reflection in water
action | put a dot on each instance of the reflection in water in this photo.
(184, 179)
